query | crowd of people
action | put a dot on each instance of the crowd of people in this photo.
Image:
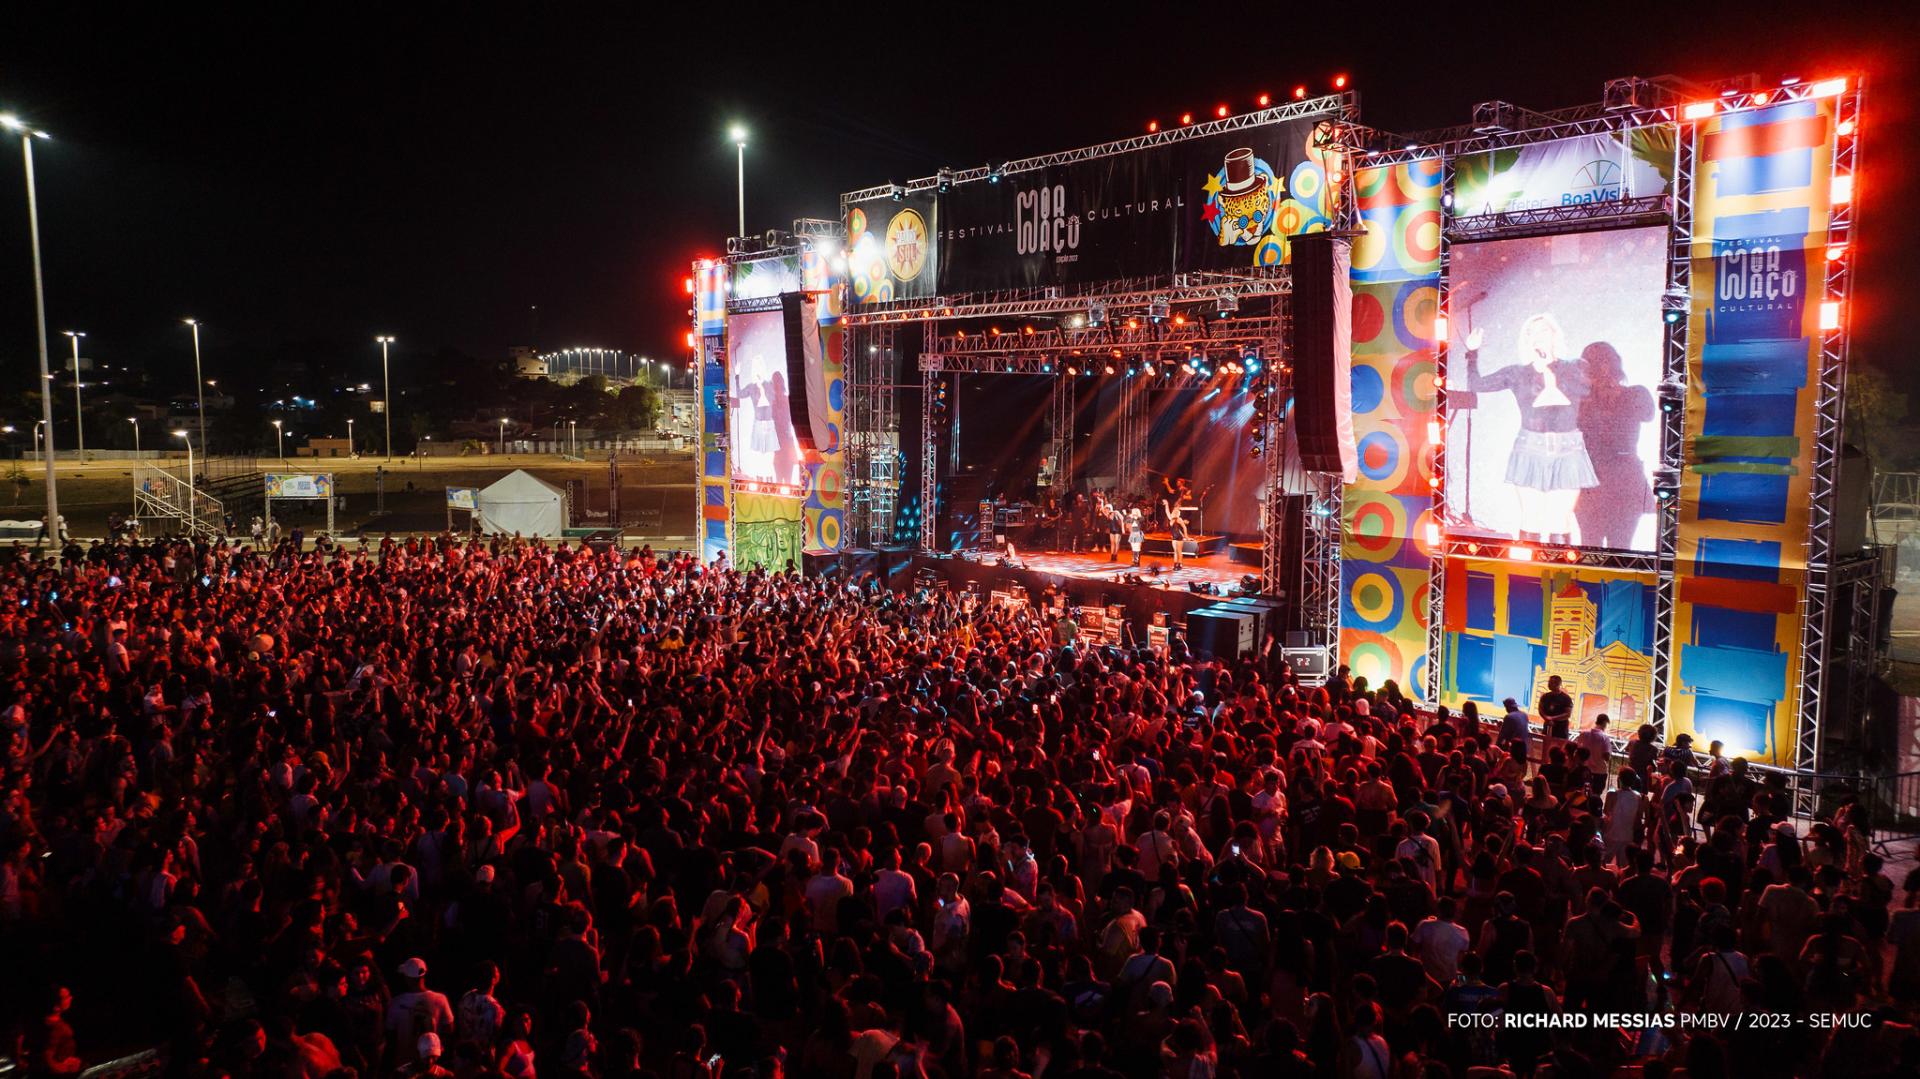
(500, 808)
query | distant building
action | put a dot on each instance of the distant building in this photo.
(325, 447)
(528, 363)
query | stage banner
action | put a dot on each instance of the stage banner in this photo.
(710, 296)
(1762, 197)
(1384, 573)
(1607, 167)
(1218, 202)
(1510, 626)
(301, 486)
(823, 515)
(759, 279)
(894, 249)
(766, 531)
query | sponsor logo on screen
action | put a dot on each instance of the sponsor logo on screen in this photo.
(1596, 181)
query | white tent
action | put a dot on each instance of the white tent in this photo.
(523, 503)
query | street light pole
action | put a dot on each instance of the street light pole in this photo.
(280, 438)
(739, 135)
(503, 436)
(27, 135)
(199, 389)
(352, 450)
(135, 420)
(79, 423)
(386, 388)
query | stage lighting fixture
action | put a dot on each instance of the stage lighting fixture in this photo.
(899, 193)
(1158, 310)
(1152, 126)
(1673, 395)
(1339, 82)
(1264, 99)
(1619, 95)
(1096, 315)
(994, 172)
(1666, 484)
(943, 180)
(1228, 305)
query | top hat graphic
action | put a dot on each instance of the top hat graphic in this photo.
(1242, 178)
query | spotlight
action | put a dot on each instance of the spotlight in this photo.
(943, 180)
(1228, 305)
(1264, 99)
(1152, 126)
(1157, 310)
(1673, 395)
(995, 172)
(1096, 315)
(1666, 484)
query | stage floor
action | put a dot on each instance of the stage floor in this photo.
(1214, 569)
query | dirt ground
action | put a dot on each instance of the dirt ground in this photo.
(657, 493)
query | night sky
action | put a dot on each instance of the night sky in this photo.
(309, 180)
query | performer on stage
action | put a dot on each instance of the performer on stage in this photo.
(1549, 456)
(1136, 532)
(1116, 524)
(1176, 530)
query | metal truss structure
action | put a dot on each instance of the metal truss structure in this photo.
(1060, 429)
(1330, 106)
(1553, 220)
(1131, 467)
(1319, 604)
(1120, 297)
(1436, 548)
(871, 362)
(1673, 455)
(1829, 421)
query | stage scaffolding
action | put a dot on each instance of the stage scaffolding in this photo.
(871, 360)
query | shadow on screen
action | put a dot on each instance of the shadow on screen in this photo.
(1610, 421)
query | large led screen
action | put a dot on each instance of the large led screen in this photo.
(1552, 376)
(760, 423)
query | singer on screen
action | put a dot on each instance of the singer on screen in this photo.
(1549, 457)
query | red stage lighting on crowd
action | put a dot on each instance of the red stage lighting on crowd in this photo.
(1186, 118)
(1299, 93)
(1339, 82)
(1264, 99)
(1152, 126)
(1220, 111)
